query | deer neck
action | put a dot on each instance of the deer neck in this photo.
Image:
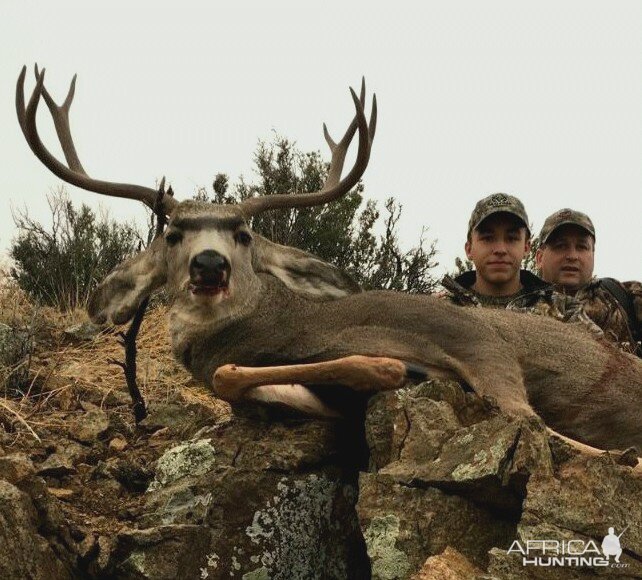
(192, 321)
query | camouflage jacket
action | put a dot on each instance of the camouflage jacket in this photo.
(605, 310)
(536, 296)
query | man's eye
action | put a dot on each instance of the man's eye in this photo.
(173, 238)
(243, 238)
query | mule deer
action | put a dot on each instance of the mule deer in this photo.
(240, 298)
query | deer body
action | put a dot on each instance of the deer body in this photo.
(239, 298)
(587, 389)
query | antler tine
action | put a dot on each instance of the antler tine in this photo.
(340, 150)
(333, 188)
(60, 116)
(75, 173)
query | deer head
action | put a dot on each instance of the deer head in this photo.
(209, 258)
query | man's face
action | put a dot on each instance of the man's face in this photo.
(497, 247)
(567, 258)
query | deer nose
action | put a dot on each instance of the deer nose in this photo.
(208, 264)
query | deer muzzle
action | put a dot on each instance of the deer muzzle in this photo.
(209, 273)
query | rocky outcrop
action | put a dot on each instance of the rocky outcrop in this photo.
(450, 474)
(249, 499)
(450, 488)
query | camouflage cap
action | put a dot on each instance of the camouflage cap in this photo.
(495, 203)
(563, 217)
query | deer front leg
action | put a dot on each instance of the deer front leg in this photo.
(357, 372)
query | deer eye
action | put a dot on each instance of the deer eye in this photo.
(173, 238)
(242, 237)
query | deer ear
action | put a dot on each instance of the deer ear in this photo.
(300, 271)
(118, 296)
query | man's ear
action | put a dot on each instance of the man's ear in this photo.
(118, 296)
(527, 247)
(538, 258)
(467, 247)
(300, 271)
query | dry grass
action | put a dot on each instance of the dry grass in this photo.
(62, 373)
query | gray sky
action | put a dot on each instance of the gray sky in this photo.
(542, 100)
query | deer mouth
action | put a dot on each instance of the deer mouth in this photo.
(212, 285)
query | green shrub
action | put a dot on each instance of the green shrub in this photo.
(60, 266)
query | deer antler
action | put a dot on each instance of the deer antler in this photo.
(333, 188)
(75, 173)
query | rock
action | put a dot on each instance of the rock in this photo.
(453, 473)
(449, 565)
(127, 472)
(115, 398)
(118, 444)
(50, 518)
(160, 553)
(15, 467)
(88, 548)
(88, 406)
(271, 497)
(89, 426)
(403, 525)
(24, 552)
(15, 345)
(56, 465)
(82, 332)
(60, 492)
(105, 545)
(192, 458)
(585, 497)
(172, 415)
(159, 437)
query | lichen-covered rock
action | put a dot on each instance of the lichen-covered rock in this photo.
(303, 517)
(192, 458)
(450, 470)
(159, 553)
(89, 426)
(403, 525)
(270, 500)
(586, 497)
(388, 561)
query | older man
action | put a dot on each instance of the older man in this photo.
(566, 258)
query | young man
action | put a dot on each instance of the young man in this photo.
(498, 240)
(566, 258)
